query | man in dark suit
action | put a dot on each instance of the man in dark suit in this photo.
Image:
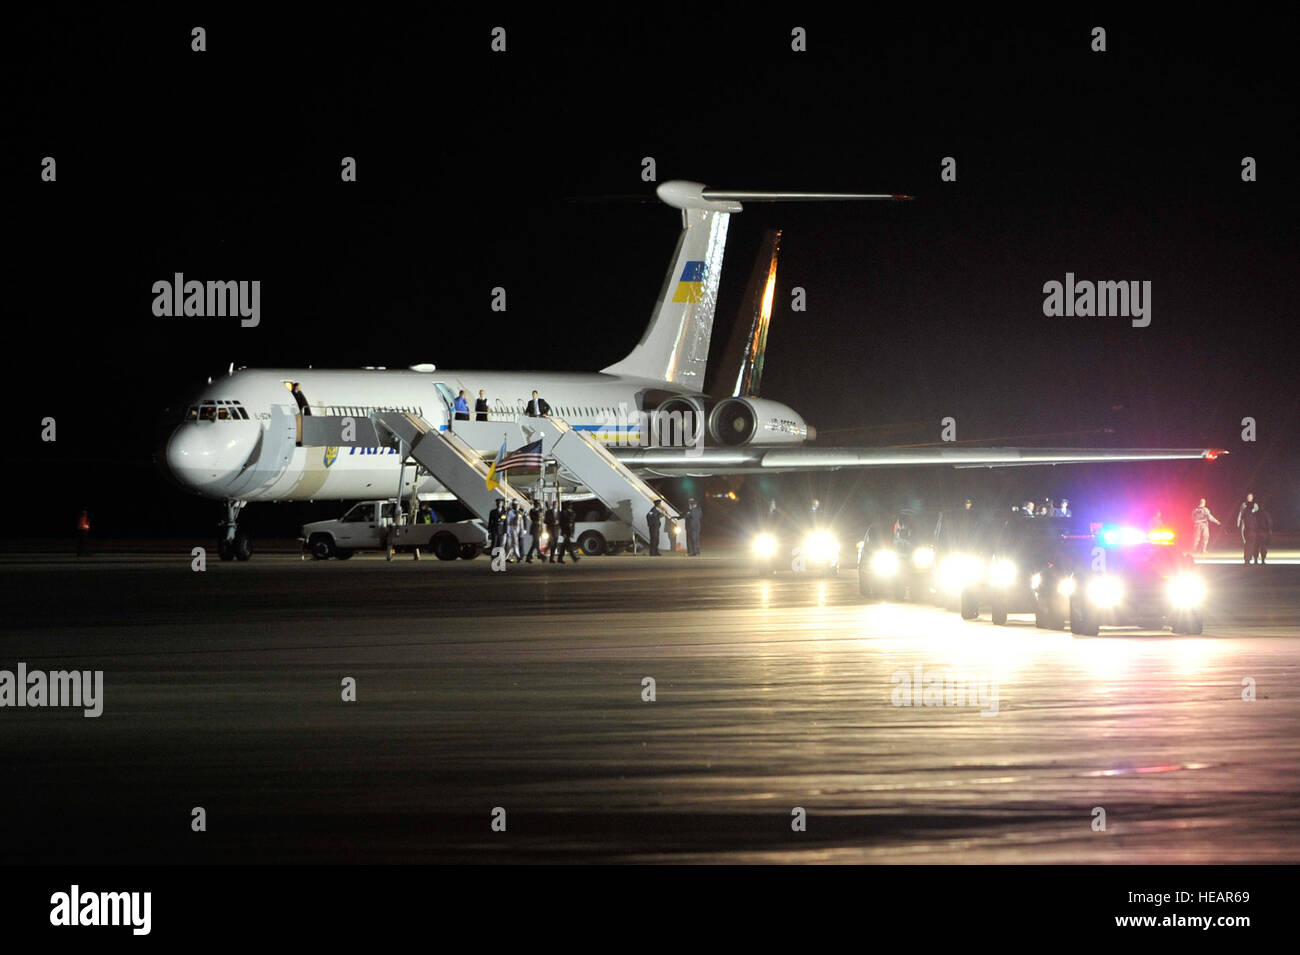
(535, 521)
(481, 406)
(494, 526)
(538, 408)
(567, 520)
(652, 520)
(693, 521)
(553, 532)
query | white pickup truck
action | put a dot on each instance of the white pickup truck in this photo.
(374, 525)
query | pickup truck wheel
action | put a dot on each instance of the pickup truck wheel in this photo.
(591, 543)
(865, 588)
(1083, 622)
(468, 551)
(1049, 615)
(342, 553)
(999, 614)
(446, 547)
(969, 608)
(321, 546)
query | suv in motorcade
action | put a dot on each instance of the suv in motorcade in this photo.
(1127, 578)
(898, 558)
(805, 545)
(1026, 548)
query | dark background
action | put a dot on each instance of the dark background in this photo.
(225, 165)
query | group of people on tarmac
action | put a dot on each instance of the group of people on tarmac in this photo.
(509, 527)
(1254, 523)
(1046, 509)
(536, 408)
(1256, 526)
(657, 517)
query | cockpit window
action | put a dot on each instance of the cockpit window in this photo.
(208, 413)
(192, 413)
(223, 414)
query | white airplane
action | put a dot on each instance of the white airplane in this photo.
(239, 440)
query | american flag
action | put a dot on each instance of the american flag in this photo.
(529, 456)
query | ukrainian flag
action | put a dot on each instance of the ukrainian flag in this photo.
(492, 482)
(690, 288)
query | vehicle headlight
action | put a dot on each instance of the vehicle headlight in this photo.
(1186, 590)
(1066, 587)
(1035, 582)
(820, 546)
(884, 563)
(1105, 591)
(923, 558)
(1002, 573)
(764, 545)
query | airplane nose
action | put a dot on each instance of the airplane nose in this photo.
(203, 457)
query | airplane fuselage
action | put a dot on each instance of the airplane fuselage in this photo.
(239, 437)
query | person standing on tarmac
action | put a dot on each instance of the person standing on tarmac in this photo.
(1247, 522)
(1201, 521)
(512, 532)
(481, 406)
(494, 527)
(534, 532)
(83, 532)
(1263, 533)
(553, 532)
(652, 520)
(694, 517)
(521, 530)
(567, 520)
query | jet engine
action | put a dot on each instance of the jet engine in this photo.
(739, 421)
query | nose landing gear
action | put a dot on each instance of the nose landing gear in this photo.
(233, 543)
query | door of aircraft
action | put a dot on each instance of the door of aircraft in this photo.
(302, 407)
(448, 399)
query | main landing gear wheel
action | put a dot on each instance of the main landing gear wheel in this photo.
(243, 545)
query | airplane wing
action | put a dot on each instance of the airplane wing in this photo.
(689, 462)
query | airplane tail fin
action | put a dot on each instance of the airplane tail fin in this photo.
(675, 347)
(742, 371)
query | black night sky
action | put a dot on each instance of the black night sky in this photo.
(225, 164)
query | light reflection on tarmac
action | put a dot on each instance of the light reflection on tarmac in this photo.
(524, 691)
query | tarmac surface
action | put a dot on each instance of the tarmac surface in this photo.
(524, 691)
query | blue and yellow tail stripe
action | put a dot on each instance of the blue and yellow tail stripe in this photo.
(690, 287)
